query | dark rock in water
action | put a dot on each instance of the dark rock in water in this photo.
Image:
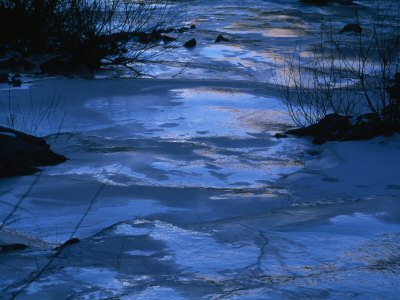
(16, 81)
(367, 127)
(155, 35)
(167, 39)
(346, 2)
(13, 247)
(339, 128)
(169, 30)
(220, 38)
(280, 136)
(315, 2)
(326, 2)
(142, 37)
(192, 27)
(314, 152)
(330, 128)
(3, 77)
(351, 28)
(21, 154)
(69, 242)
(190, 43)
(183, 29)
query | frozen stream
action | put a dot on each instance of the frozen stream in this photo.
(186, 194)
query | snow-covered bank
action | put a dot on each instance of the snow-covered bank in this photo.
(349, 170)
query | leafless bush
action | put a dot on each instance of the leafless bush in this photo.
(32, 113)
(350, 74)
(87, 32)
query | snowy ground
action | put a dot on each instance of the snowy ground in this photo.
(197, 198)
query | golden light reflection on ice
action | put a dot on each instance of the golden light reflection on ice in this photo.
(185, 93)
(266, 31)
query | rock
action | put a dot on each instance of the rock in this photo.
(69, 242)
(330, 128)
(13, 247)
(3, 77)
(351, 28)
(315, 2)
(367, 127)
(183, 29)
(347, 2)
(326, 2)
(220, 38)
(339, 128)
(142, 37)
(280, 136)
(192, 27)
(167, 39)
(169, 30)
(155, 35)
(16, 81)
(314, 152)
(121, 36)
(190, 43)
(21, 154)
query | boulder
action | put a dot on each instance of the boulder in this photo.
(13, 247)
(190, 43)
(280, 136)
(168, 39)
(221, 38)
(330, 128)
(21, 154)
(351, 28)
(169, 30)
(315, 2)
(342, 128)
(16, 81)
(146, 38)
(68, 243)
(183, 29)
(366, 127)
(155, 35)
(326, 2)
